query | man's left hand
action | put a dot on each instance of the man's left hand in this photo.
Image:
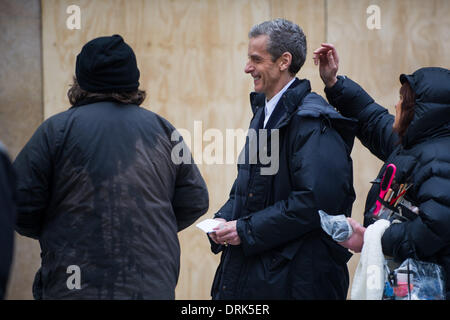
(226, 233)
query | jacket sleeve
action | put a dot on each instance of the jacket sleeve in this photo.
(321, 174)
(191, 199)
(7, 219)
(225, 213)
(430, 231)
(34, 171)
(374, 122)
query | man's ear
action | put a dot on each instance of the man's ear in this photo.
(285, 61)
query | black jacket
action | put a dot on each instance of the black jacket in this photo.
(423, 159)
(284, 254)
(98, 188)
(7, 218)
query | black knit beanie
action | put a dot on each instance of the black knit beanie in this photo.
(107, 64)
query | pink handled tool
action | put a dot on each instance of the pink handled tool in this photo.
(385, 185)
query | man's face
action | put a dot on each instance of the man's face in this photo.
(266, 73)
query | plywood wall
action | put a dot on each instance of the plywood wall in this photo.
(191, 54)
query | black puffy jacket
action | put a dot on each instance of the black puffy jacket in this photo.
(7, 217)
(423, 159)
(284, 254)
(98, 188)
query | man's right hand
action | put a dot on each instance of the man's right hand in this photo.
(327, 58)
(213, 235)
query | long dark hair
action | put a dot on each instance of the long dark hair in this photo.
(76, 94)
(407, 114)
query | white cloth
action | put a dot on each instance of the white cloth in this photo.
(368, 281)
(272, 103)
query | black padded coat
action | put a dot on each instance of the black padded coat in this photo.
(7, 217)
(98, 188)
(284, 254)
(422, 159)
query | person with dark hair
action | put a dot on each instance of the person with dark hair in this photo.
(98, 188)
(270, 237)
(417, 141)
(7, 217)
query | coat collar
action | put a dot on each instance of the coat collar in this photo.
(87, 101)
(288, 104)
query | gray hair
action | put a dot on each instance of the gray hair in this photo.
(284, 36)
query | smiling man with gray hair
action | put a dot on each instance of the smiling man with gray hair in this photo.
(271, 241)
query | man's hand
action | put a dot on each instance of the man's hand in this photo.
(356, 241)
(213, 235)
(226, 234)
(327, 58)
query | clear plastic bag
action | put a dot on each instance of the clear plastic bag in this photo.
(415, 280)
(336, 226)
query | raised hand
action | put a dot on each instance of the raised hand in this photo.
(327, 58)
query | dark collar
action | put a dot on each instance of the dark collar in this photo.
(286, 106)
(290, 98)
(91, 101)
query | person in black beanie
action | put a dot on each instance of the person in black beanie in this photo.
(106, 69)
(107, 64)
(98, 189)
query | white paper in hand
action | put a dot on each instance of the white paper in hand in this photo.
(208, 225)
